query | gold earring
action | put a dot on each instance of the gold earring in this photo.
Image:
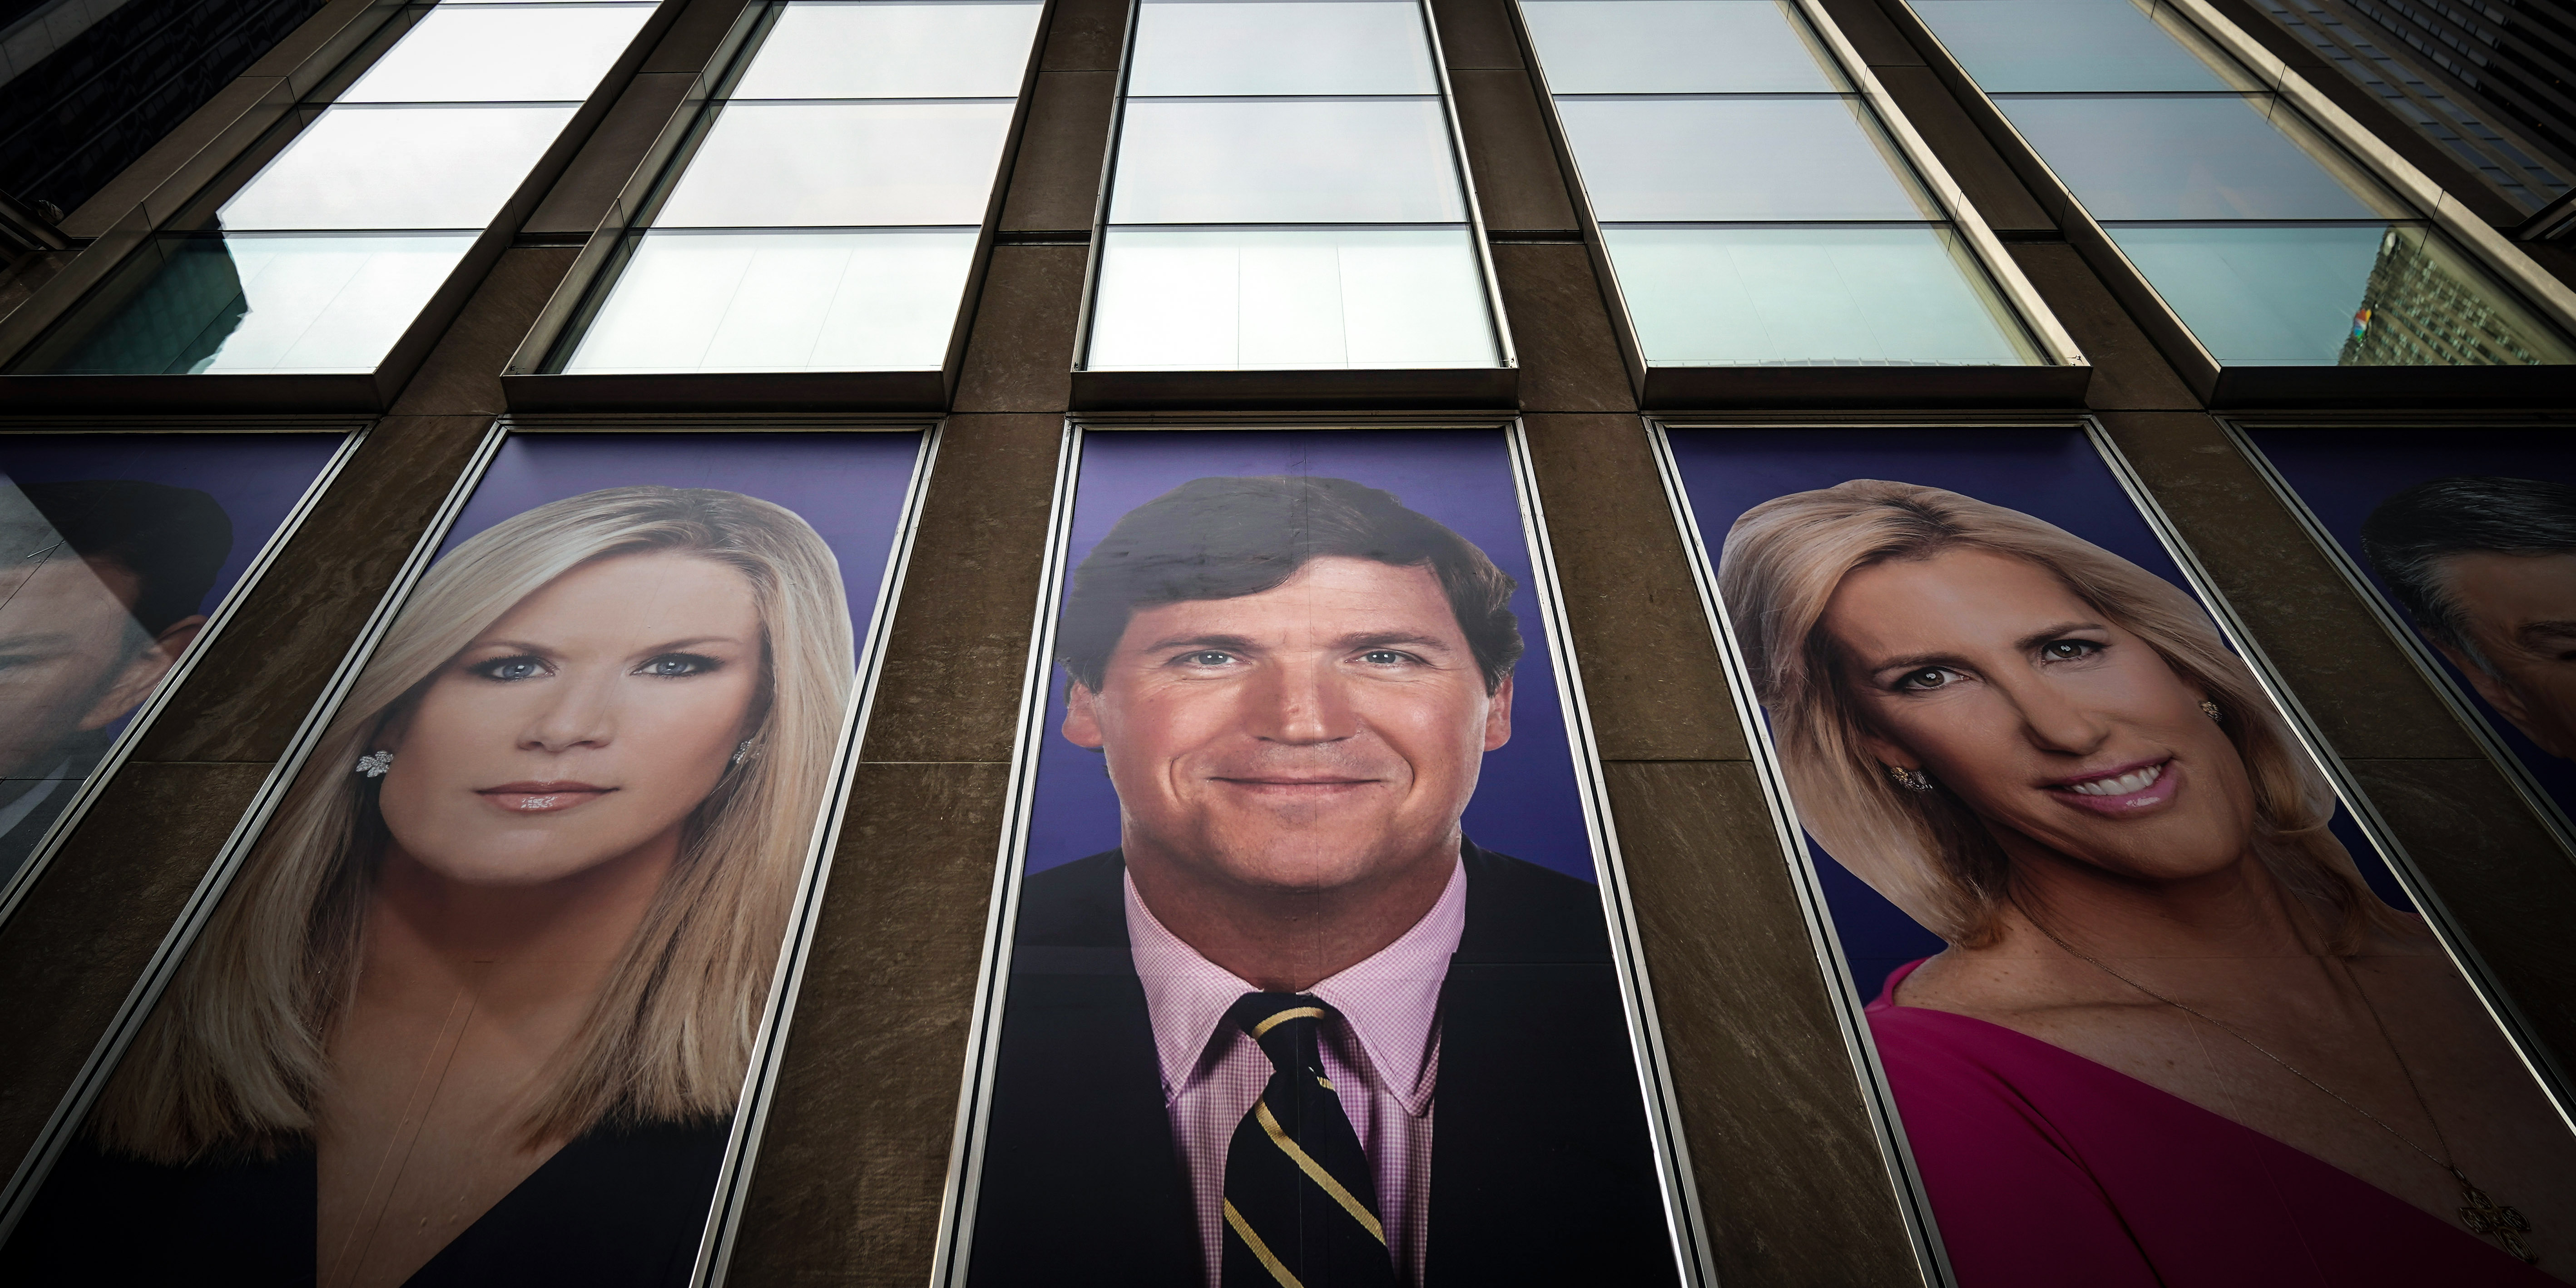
(1912, 780)
(2210, 709)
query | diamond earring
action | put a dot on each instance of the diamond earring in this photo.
(2210, 709)
(745, 751)
(374, 766)
(1912, 780)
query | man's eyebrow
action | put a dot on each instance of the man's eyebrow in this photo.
(1385, 639)
(2549, 630)
(1226, 643)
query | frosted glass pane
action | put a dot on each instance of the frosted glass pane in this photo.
(397, 167)
(1673, 47)
(1203, 161)
(2194, 158)
(1711, 159)
(500, 54)
(266, 303)
(2100, 46)
(1263, 47)
(948, 50)
(1245, 299)
(1798, 296)
(2365, 296)
(845, 301)
(769, 165)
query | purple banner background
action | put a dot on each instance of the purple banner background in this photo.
(850, 486)
(2050, 474)
(2344, 474)
(1527, 804)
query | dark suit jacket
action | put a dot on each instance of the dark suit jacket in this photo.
(1541, 1169)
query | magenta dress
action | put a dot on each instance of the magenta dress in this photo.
(2045, 1168)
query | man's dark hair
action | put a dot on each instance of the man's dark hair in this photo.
(1224, 538)
(173, 539)
(2411, 533)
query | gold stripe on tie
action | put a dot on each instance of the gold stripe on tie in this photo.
(1292, 1013)
(1260, 1250)
(1306, 1163)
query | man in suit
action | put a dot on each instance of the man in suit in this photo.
(99, 588)
(1296, 1029)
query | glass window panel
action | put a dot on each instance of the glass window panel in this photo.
(266, 303)
(2296, 297)
(1235, 299)
(1654, 160)
(1262, 47)
(737, 301)
(2076, 45)
(1810, 296)
(1265, 161)
(1673, 47)
(947, 50)
(2193, 158)
(398, 167)
(772, 165)
(522, 53)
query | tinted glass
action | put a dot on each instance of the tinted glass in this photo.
(264, 303)
(1266, 161)
(1260, 47)
(1694, 159)
(493, 54)
(2192, 158)
(881, 300)
(398, 167)
(948, 50)
(1673, 47)
(2076, 45)
(1756, 296)
(1225, 299)
(809, 164)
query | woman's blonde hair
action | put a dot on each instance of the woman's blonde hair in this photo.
(234, 1058)
(1926, 851)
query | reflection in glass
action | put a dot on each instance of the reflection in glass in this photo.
(473, 54)
(1811, 296)
(398, 167)
(257, 303)
(2354, 295)
(1199, 47)
(2095, 46)
(2192, 158)
(1193, 161)
(952, 49)
(1654, 159)
(781, 165)
(1220, 299)
(1674, 47)
(879, 300)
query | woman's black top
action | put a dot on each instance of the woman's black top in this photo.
(616, 1208)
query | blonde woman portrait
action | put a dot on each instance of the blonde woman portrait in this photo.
(478, 1007)
(2173, 1038)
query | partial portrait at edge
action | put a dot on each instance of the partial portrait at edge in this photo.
(1290, 1024)
(478, 1006)
(2171, 1034)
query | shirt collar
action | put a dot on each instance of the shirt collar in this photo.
(1391, 1000)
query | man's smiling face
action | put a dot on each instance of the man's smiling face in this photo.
(1317, 736)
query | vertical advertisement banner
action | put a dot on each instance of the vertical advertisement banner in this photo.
(477, 1006)
(115, 551)
(2150, 1008)
(1312, 979)
(2467, 537)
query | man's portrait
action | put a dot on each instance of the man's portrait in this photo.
(99, 595)
(1292, 1024)
(2485, 566)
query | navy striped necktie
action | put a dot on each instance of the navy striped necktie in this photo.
(1301, 1206)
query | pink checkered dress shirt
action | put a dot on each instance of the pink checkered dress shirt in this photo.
(1383, 1058)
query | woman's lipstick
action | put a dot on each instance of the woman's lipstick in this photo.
(541, 798)
(2121, 791)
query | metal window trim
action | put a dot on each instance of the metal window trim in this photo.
(13, 891)
(533, 381)
(1685, 1223)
